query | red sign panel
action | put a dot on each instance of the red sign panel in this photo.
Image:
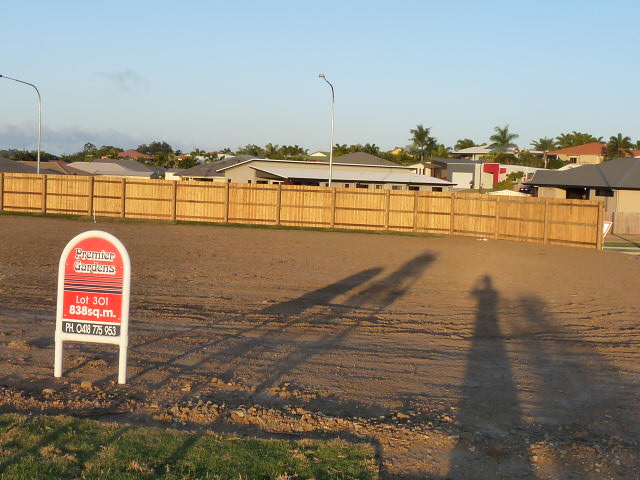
(93, 282)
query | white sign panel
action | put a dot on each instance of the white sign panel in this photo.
(94, 279)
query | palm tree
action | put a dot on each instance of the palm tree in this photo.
(422, 140)
(544, 145)
(503, 139)
(441, 151)
(573, 139)
(271, 150)
(618, 146)
(464, 143)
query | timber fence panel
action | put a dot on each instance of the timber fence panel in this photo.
(433, 212)
(360, 209)
(521, 219)
(305, 206)
(253, 204)
(574, 222)
(401, 210)
(107, 196)
(68, 195)
(150, 199)
(201, 201)
(23, 192)
(475, 214)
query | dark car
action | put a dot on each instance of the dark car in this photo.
(528, 189)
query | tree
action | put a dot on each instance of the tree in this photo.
(464, 143)
(422, 141)
(250, 149)
(503, 138)
(271, 150)
(441, 151)
(187, 162)
(154, 148)
(32, 156)
(619, 146)
(573, 139)
(544, 145)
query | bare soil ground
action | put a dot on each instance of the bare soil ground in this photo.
(458, 358)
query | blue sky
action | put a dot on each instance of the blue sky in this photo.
(225, 74)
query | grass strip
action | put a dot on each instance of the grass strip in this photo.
(57, 447)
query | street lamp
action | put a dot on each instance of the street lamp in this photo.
(39, 114)
(333, 111)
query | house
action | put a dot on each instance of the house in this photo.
(586, 154)
(478, 152)
(134, 154)
(9, 166)
(361, 158)
(56, 166)
(344, 175)
(119, 168)
(209, 172)
(615, 182)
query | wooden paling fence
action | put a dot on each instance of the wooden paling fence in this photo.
(549, 221)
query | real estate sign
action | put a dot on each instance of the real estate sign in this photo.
(93, 295)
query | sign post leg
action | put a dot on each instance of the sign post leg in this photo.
(57, 365)
(122, 364)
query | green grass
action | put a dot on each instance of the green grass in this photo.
(629, 245)
(46, 447)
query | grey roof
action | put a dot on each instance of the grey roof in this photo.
(130, 164)
(621, 174)
(211, 169)
(113, 169)
(342, 173)
(9, 166)
(361, 158)
(447, 161)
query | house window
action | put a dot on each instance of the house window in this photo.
(347, 185)
(396, 187)
(362, 185)
(414, 187)
(378, 187)
(261, 182)
(604, 192)
(436, 189)
(573, 159)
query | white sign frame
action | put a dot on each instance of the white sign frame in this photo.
(122, 340)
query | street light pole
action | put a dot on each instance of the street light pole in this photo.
(39, 114)
(333, 111)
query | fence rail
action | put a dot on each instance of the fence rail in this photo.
(549, 221)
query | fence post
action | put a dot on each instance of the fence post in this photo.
(90, 198)
(452, 215)
(43, 207)
(333, 207)
(1, 192)
(415, 211)
(279, 204)
(599, 235)
(123, 197)
(174, 199)
(545, 236)
(387, 209)
(497, 226)
(227, 187)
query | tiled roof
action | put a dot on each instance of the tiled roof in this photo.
(593, 148)
(621, 173)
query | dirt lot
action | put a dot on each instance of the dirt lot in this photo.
(458, 358)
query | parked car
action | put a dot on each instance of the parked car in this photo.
(528, 189)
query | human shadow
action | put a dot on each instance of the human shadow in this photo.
(290, 309)
(580, 396)
(489, 406)
(373, 299)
